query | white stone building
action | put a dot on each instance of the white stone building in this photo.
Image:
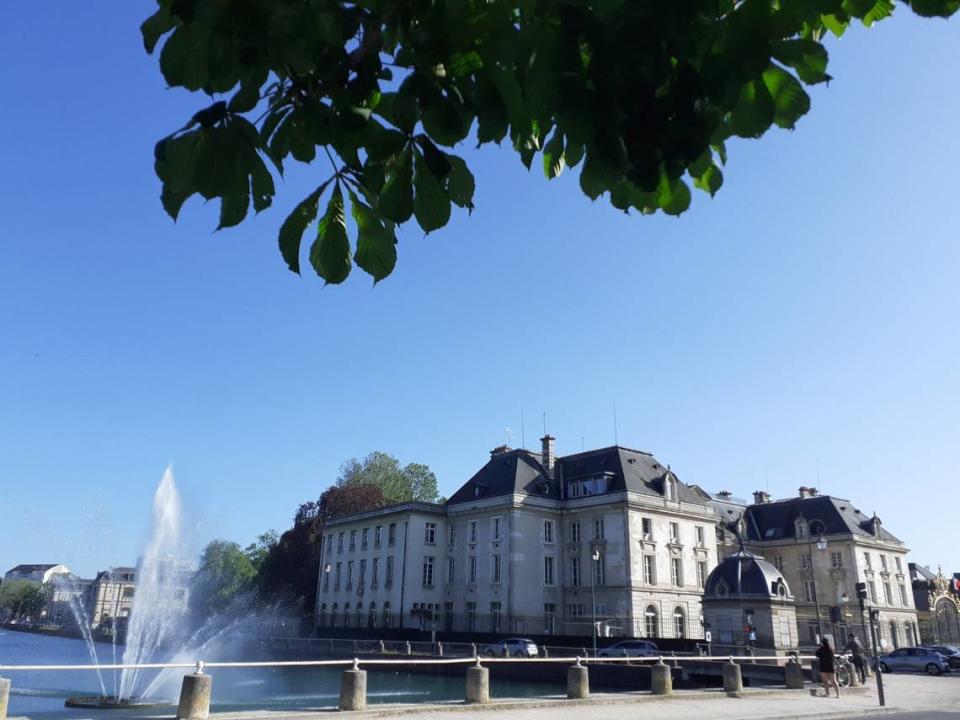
(523, 545)
(36, 573)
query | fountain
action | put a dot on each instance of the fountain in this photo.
(159, 608)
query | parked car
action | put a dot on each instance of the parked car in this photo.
(950, 652)
(918, 659)
(513, 647)
(631, 648)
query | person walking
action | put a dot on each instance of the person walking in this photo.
(855, 648)
(828, 668)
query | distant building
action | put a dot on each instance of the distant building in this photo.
(110, 599)
(857, 549)
(937, 598)
(36, 573)
(522, 546)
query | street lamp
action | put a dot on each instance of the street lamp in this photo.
(821, 546)
(593, 595)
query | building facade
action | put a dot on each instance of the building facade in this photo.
(534, 544)
(937, 599)
(110, 599)
(36, 573)
(824, 546)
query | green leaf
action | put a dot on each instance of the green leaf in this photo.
(233, 209)
(444, 120)
(245, 99)
(836, 24)
(807, 57)
(431, 206)
(155, 27)
(573, 154)
(291, 232)
(177, 158)
(173, 200)
(376, 244)
(553, 160)
(216, 173)
(673, 196)
(183, 60)
(463, 64)
(330, 252)
(592, 180)
(790, 100)
(460, 183)
(754, 112)
(263, 188)
(881, 10)
(934, 8)
(710, 180)
(396, 200)
(436, 160)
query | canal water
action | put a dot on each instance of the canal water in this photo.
(41, 695)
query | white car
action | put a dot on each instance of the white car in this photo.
(513, 647)
(631, 648)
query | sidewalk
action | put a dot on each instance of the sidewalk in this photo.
(904, 693)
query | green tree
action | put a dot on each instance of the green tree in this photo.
(257, 551)
(398, 483)
(225, 573)
(23, 599)
(641, 95)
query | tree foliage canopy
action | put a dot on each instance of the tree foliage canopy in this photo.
(23, 599)
(224, 574)
(640, 95)
(412, 482)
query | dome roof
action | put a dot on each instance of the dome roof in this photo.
(743, 575)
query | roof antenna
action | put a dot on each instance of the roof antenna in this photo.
(523, 432)
(544, 424)
(616, 440)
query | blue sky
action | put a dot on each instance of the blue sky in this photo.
(804, 318)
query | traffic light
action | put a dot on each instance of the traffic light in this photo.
(862, 590)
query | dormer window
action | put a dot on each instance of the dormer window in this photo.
(585, 487)
(803, 529)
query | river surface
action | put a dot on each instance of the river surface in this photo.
(41, 694)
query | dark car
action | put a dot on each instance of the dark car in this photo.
(950, 652)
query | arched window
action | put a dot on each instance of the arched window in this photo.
(679, 622)
(651, 622)
(322, 620)
(387, 619)
(346, 614)
(372, 615)
(333, 615)
(359, 614)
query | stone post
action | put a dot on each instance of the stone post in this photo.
(4, 697)
(852, 672)
(383, 648)
(578, 682)
(732, 679)
(661, 681)
(409, 651)
(440, 649)
(195, 696)
(793, 674)
(478, 685)
(353, 688)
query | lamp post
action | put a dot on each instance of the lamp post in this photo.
(821, 546)
(593, 595)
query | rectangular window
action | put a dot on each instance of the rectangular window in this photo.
(377, 534)
(495, 616)
(778, 562)
(363, 573)
(836, 559)
(575, 571)
(701, 537)
(375, 573)
(329, 545)
(646, 527)
(353, 540)
(598, 529)
(899, 563)
(805, 561)
(451, 535)
(471, 616)
(495, 569)
(428, 572)
(574, 611)
(649, 570)
(472, 568)
(548, 574)
(388, 573)
(675, 533)
(430, 533)
(903, 595)
(867, 561)
(701, 574)
(887, 594)
(392, 534)
(575, 532)
(451, 570)
(883, 563)
(676, 572)
(548, 532)
(549, 618)
(808, 592)
(495, 529)
(350, 575)
(872, 590)
(340, 543)
(326, 579)
(600, 571)
(473, 531)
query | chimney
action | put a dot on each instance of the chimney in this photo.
(724, 494)
(548, 452)
(808, 492)
(761, 497)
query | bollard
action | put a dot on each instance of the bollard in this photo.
(732, 679)
(474, 647)
(409, 651)
(478, 685)
(4, 697)
(578, 682)
(195, 696)
(383, 648)
(353, 688)
(546, 652)
(793, 674)
(852, 672)
(661, 681)
(440, 649)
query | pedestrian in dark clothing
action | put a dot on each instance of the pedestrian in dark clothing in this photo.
(858, 656)
(828, 668)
